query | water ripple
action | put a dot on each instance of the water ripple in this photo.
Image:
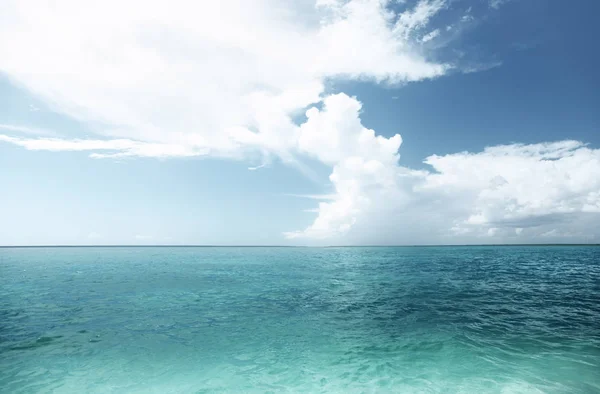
(351, 320)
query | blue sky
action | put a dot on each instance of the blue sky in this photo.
(150, 134)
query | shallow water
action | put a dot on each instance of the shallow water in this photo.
(348, 320)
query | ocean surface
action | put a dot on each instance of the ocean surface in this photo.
(300, 320)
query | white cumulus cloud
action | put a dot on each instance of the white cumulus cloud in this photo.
(229, 79)
(494, 193)
(538, 192)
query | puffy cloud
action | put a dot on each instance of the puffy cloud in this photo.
(512, 183)
(419, 17)
(509, 193)
(502, 192)
(363, 163)
(228, 79)
(336, 133)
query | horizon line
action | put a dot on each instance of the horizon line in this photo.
(283, 246)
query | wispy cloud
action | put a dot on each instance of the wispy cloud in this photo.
(117, 148)
(186, 79)
(430, 36)
(26, 130)
(189, 73)
(322, 197)
(228, 79)
(311, 210)
(497, 3)
(479, 67)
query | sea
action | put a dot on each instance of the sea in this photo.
(467, 319)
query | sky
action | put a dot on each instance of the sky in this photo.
(307, 122)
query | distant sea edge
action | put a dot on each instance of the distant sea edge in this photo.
(293, 246)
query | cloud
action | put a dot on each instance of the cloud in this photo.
(220, 78)
(511, 184)
(114, 148)
(467, 18)
(25, 130)
(497, 3)
(430, 36)
(257, 167)
(494, 193)
(536, 192)
(321, 197)
(478, 67)
(419, 17)
(229, 79)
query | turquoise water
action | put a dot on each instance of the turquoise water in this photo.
(332, 320)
